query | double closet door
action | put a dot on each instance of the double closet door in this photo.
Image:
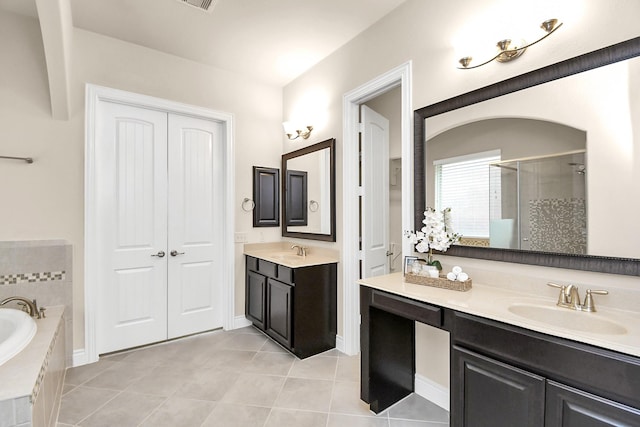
(159, 185)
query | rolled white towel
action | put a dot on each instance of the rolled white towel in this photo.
(457, 270)
(451, 276)
(462, 277)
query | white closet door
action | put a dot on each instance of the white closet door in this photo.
(131, 154)
(195, 218)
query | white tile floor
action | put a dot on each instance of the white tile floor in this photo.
(228, 379)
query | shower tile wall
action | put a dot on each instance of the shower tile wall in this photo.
(558, 225)
(40, 269)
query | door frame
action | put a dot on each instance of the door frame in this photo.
(399, 76)
(93, 95)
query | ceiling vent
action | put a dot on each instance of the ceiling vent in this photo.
(205, 5)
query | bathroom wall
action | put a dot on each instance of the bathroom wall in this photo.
(41, 270)
(45, 200)
(423, 32)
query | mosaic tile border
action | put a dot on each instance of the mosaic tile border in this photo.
(47, 276)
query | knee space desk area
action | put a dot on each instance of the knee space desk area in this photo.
(505, 370)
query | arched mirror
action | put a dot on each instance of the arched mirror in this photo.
(308, 192)
(559, 161)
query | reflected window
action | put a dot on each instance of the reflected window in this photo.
(463, 184)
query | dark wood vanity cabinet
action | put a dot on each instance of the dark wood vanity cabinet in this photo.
(297, 307)
(490, 393)
(501, 375)
(279, 315)
(256, 293)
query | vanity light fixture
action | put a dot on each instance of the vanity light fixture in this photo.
(508, 50)
(289, 130)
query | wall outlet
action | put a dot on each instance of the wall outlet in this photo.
(240, 238)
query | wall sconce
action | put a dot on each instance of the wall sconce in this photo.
(291, 129)
(508, 51)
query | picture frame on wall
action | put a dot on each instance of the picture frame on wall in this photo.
(408, 263)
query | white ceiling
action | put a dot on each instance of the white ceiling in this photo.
(273, 41)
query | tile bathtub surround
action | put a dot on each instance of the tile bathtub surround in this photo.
(236, 378)
(41, 270)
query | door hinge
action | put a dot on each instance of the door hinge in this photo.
(360, 127)
(360, 191)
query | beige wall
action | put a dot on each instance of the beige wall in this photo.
(422, 32)
(45, 200)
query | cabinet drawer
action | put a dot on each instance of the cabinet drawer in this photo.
(267, 268)
(410, 309)
(285, 274)
(252, 263)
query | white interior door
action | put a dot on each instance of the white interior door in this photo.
(375, 199)
(159, 186)
(195, 218)
(132, 222)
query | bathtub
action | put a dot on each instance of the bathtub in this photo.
(17, 329)
(31, 381)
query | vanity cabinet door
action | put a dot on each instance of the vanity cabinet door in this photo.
(569, 407)
(486, 392)
(255, 302)
(279, 311)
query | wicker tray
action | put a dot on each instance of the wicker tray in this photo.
(438, 282)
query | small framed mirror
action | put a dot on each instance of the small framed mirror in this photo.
(266, 195)
(308, 192)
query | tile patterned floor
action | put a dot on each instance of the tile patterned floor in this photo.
(239, 378)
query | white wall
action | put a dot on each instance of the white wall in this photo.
(422, 32)
(45, 200)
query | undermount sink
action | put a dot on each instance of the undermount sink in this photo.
(287, 256)
(568, 319)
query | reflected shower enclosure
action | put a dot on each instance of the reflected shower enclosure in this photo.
(539, 203)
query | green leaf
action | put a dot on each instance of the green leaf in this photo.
(436, 264)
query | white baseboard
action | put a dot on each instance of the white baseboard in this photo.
(241, 322)
(432, 391)
(79, 358)
(340, 343)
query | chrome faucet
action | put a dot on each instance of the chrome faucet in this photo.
(302, 251)
(570, 298)
(30, 305)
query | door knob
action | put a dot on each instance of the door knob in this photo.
(159, 254)
(176, 253)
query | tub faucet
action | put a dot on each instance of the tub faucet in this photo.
(31, 306)
(302, 251)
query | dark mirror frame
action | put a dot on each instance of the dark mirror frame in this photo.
(330, 144)
(609, 55)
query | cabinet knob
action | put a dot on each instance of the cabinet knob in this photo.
(176, 253)
(159, 254)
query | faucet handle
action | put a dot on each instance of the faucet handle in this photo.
(588, 300)
(562, 298)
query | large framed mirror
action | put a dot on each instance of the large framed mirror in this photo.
(559, 151)
(309, 192)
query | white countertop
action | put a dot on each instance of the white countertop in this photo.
(494, 302)
(281, 253)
